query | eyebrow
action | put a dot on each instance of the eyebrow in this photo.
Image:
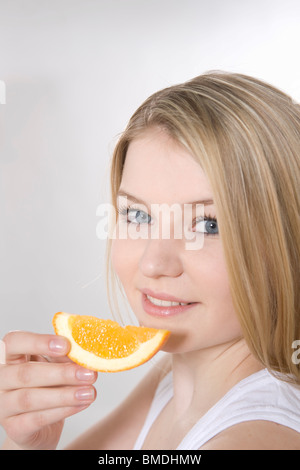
(205, 202)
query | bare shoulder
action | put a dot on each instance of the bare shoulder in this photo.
(255, 435)
(120, 428)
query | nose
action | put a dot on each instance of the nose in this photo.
(161, 257)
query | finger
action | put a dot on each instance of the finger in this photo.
(38, 399)
(20, 343)
(16, 359)
(19, 427)
(43, 374)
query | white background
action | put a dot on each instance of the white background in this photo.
(75, 70)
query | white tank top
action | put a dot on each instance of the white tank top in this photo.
(261, 396)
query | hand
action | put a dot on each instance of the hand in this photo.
(40, 387)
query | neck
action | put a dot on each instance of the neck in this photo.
(201, 378)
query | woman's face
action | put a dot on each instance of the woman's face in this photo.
(155, 256)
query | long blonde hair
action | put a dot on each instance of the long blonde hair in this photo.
(245, 134)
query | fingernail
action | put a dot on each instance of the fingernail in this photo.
(85, 374)
(85, 394)
(58, 345)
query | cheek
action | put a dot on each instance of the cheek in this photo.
(222, 306)
(211, 277)
(218, 286)
(118, 258)
(125, 263)
(124, 260)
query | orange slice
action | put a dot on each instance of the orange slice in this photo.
(104, 345)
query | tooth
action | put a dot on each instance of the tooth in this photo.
(164, 303)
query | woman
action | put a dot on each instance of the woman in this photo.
(225, 149)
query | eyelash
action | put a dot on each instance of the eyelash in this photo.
(124, 211)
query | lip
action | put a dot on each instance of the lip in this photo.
(162, 311)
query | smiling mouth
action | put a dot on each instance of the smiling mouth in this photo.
(164, 306)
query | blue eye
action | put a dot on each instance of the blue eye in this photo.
(207, 225)
(135, 216)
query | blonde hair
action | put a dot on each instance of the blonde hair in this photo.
(245, 134)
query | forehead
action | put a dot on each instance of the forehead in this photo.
(158, 169)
